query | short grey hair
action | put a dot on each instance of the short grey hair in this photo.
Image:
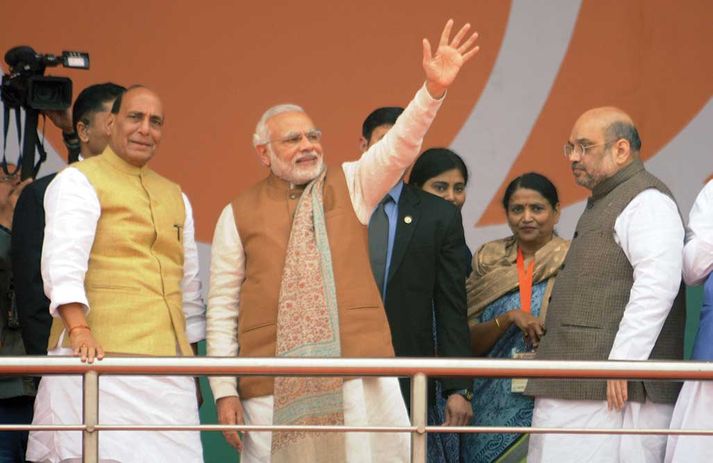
(262, 134)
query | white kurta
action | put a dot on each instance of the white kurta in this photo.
(72, 210)
(695, 402)
(650, 232)
(367, 401)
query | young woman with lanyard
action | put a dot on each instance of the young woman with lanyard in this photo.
(508, 292)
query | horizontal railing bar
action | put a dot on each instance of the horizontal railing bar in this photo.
(442, 429)
(498, 368)
(525, 430)
(42, 427)
(255, 428)
(380, 429)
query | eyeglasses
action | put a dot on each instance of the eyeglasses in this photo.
(579, 149)
(295, 138)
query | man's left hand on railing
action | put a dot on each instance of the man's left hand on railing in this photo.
(459, 411)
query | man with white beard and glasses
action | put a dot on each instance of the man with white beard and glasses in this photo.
(291, 277)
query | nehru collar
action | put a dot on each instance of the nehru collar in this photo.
(116, 162)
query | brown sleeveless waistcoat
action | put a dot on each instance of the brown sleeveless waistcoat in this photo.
(263, 216)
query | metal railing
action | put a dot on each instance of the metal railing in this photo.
(417, 368)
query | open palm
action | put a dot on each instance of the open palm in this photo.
(442, 68)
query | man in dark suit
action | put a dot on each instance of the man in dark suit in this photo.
(416, 244)
(84, 133)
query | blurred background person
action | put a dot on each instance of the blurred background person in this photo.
(17, 394)
(508, 293)
(696, 398)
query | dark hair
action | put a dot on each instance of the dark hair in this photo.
(379, 117)
(433, 162)
(91, 100)
(116, 107)
(532, 181)
(627, 131)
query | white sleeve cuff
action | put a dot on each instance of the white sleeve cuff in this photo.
(223, 386)
(67, 295)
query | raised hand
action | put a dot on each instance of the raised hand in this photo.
(442, 68)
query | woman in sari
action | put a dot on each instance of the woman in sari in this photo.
(508, 292)
(442, 172)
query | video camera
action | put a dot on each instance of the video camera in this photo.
(26, 88)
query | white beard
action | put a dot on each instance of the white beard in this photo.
(293, 173)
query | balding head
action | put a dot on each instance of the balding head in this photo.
(136, 125)
(615, 124)
(609, 142)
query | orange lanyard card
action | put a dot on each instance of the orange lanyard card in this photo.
(525, 279)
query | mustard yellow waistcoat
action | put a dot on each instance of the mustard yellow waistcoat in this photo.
(133, 281)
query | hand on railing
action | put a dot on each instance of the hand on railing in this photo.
(230, 411)
(84, 345)
(459, 411)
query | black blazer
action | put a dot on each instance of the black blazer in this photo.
(28, 233)
(427, 277)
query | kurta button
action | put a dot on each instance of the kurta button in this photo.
(293, 195)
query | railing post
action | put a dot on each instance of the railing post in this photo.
(419, 413)
(90, 437)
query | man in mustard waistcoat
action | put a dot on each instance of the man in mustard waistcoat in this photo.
(291, 277)
(120, 267)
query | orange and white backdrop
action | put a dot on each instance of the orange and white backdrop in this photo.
(218, 64)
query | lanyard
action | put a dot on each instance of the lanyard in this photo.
(524, 277)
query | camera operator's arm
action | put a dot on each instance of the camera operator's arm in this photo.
(62, 119)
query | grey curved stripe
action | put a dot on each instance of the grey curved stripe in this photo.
(686, 162)
(535, 42)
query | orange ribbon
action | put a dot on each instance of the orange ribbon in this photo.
(525, 279)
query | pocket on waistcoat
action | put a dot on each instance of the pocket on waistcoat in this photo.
(361, 307)
(577, 326)
(114, 288)
(257, 326)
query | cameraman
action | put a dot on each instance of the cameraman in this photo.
(88, 122)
